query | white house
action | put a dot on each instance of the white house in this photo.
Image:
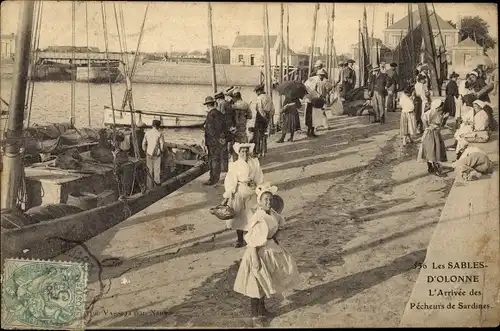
(248, 50)
(449, 34)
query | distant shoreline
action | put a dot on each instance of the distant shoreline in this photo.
(184, 74)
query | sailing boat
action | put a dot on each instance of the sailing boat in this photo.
(28, 237)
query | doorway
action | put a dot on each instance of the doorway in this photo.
(252, 59)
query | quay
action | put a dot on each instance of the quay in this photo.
(360, 211)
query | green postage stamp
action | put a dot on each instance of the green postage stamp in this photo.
(43, 294)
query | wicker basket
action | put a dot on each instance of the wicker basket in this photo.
(223, 212)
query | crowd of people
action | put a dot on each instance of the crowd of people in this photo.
(468, 103)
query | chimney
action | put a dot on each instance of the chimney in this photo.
(386, 20)
(392, 19)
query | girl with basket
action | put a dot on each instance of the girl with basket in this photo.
(266, 267)
(242, 178)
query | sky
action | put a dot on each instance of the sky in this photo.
(183, 26)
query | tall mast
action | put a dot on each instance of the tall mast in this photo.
(12, 157)
(313, 38)
(287, 42)
(360, 55)
(429, 51)
(211, 49)
(332, 47)
(267, 52)
(410, 38)
(328, 59)
(281, 42)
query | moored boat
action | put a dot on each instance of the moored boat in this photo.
(168, 119)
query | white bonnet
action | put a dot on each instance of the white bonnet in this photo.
(265, 187)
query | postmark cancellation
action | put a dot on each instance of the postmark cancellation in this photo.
(43, 294)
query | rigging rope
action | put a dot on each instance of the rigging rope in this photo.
(115, 143)
(88, 63)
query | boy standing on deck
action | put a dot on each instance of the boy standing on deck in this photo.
(153, 144)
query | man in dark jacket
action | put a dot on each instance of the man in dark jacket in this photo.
(349, 78)
(378, 93)
(392, 89)
(226, 109)
(215, 139)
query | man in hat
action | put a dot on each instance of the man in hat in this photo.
(318, 66)
(392, 89)
(340, 76)
(265, 110)
(242, 114)
(215, 139)
(153, 144)
(378, 94)
(349, 78)
(226, 109)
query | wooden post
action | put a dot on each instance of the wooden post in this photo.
(211, 49)
(410, 38)
(429, 51)
(313, 38)
(13, 167)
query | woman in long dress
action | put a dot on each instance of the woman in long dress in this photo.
(289, 115)
(266, 267)
(451, 95)
(408, 125)
(242, 178)
(432, 149)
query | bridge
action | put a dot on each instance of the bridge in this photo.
(81, 58)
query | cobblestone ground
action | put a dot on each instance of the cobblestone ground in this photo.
(356, 243)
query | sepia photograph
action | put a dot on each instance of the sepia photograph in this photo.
(249, 165)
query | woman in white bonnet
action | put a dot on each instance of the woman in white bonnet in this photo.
(242, 178)
(432, 149)
(266, 268)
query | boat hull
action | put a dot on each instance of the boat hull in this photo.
(123, 118)
(97, 74)
(49, 239)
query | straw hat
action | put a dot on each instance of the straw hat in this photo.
(318, 63)
(238, 146)
(454, 74)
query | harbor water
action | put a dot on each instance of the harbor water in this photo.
(52, 103)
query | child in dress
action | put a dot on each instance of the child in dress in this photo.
(266, 267)
(408, 125)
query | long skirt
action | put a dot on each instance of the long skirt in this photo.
(408, 124)
(309, 116)
(278, 272)
(449, 105)
(432, 148)
(290, 121)
(242, 203)
(319, 118)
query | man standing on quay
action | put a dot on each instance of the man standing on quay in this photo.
(153, 143)
(215, 139)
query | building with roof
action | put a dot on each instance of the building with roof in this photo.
(7, 46)
(376, 45)
(464, 54)
(449, 34)
(248, 50)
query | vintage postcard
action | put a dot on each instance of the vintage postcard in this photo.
(249, 165)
